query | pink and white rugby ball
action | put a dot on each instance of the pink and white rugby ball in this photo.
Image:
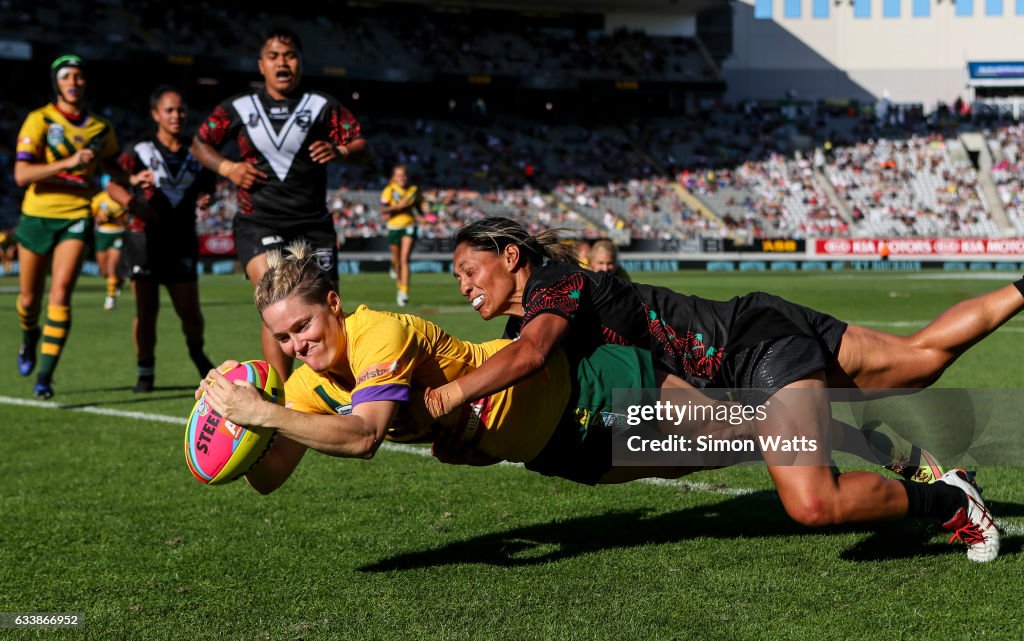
(218, 451)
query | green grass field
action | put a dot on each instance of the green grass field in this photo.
(99, 514)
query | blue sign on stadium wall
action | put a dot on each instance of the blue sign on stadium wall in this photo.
(995, 70)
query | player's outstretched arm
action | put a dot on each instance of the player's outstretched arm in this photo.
(507, 367)
(357, 435)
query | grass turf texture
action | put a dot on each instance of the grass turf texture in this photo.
(101, 516)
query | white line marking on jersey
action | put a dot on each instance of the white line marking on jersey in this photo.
(279, 147)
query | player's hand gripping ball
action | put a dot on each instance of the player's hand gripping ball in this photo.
(218, 451)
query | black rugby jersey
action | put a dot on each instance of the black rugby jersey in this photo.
(180, 179)
(274, 136)
(688, 336)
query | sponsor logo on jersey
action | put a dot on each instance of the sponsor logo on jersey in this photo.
(55, 135)
(267, 241)
(376, 371)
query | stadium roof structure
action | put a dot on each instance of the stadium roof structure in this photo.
(668, 7)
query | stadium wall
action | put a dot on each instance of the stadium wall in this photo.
(652, 24)
(841, 56)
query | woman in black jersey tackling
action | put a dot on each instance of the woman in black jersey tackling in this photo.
(753, 342)
(161, 246)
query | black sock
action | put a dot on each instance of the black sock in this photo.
(199, 359)
(147, 375)
(146, 367)
(933, 500)
(1020, 286)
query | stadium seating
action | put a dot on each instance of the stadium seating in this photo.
(743, 163)
(910, 188)
(1008, 145)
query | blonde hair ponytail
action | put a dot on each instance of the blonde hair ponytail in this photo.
(292, 272)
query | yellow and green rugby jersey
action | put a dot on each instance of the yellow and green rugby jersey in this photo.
(392, 195)
(394, 357)
(48, 136)
(103, 204)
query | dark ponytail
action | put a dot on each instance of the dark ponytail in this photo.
(495, 234)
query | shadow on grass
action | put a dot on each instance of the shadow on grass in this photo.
(741, 517)
(1004, 510)
(882, 545)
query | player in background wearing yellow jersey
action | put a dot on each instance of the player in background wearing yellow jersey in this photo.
(109, 240)
(582, 248)
(60, 147)
(8, 251)
(400, 202)
(604, 257)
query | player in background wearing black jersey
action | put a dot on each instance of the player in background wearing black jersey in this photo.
(161, 247)
(285, 138)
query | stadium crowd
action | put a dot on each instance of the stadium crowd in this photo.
(600, 180)
(912, 187)
(1007, 145)
(757, 170)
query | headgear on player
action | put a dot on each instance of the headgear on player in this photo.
(58, 67)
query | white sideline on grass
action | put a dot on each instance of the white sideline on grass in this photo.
(694, 486)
